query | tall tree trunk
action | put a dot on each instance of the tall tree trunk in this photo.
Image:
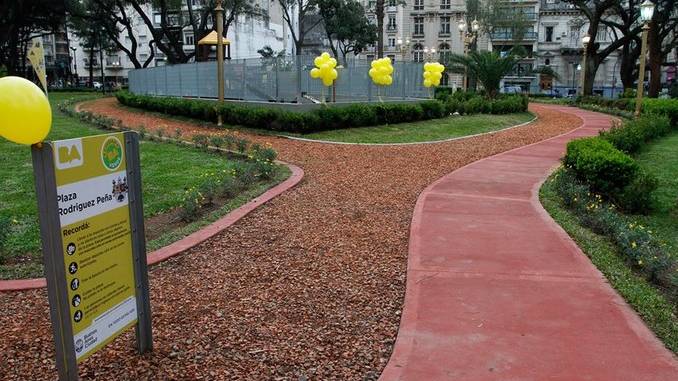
(592, 64)
(91, 65)
(627, 68)
(654, 47)
(379, 12)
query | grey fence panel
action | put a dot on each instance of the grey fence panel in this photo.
(276, 80)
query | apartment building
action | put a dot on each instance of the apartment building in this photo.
(246, 34)
(550, 34)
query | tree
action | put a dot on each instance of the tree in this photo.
(488, 67)
(661, 40)
(347, 26)
(20, 22)
(303, 10)
(597, 13)
(91, 24)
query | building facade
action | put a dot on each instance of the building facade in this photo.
(551, 35)
(247, 35)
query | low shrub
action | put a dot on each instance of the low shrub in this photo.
(636, 243)
(664, 107)
(633, 134)
(597, 162)
(327, 117)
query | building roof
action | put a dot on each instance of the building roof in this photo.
(211, 39)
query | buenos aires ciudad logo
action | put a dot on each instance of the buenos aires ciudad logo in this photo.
(111, 153)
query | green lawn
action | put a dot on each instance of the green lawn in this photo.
(661, 159)
(429, 130)
(167, 170)
(653, 307)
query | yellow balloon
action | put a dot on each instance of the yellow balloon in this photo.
(25, 114)
(427, 83)
(315, 72)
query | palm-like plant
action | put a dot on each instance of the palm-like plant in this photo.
(488, 67)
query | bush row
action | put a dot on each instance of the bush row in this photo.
(603, 162)
(633, 134)
(650, 106)
(636, 243)
(324, 118)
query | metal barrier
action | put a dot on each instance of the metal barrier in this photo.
(276, 80)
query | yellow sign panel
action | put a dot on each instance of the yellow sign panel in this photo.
(92, 196)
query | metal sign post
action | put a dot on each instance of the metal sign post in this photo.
(92, 230)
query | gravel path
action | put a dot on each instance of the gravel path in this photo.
(309, 286)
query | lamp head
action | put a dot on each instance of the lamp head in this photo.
(462, 25)
(433, 50)
(578, 67)
(646, 11)
(475, 25)
(399, 41)
(425, 49)
(586, 39)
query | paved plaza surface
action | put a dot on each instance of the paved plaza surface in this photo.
(496, 290)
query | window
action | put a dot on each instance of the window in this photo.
(392, 57)
(391, 3)
(549, 34)
(418, 5)
(602, 33)
(445, 52)
(547, 62)
(188, 39)
(444, 4)
(391, 42)
(391, 22)
(419, 26)
(445, 25)
(445, 80)
(418, 53)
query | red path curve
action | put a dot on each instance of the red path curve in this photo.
(496, 290)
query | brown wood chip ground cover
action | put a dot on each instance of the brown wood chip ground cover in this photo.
(309, 286)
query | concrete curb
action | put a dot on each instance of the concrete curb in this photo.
(192, 239)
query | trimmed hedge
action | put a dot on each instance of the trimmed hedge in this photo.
(650, 106)
(324, 118)
(597, 162)
(604, 164)
(631, 136)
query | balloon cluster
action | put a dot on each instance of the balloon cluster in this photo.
(25, 114)
(381, 71)
(433, 71)
(325, 69)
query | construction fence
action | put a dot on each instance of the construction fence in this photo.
(277, 80)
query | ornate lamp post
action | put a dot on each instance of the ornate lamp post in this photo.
(646, 12)
(467, 37)
(404, 47)
(429, 54)
(219, 10)
(585, 40)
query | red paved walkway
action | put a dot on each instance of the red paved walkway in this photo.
(497, 291)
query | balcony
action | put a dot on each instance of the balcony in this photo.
(508, 36)
(522, 70)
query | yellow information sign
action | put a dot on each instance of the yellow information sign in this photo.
(94, 216)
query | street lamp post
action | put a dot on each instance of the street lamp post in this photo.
(429, 54)
(404, 47)
(646, 12)
(220, 55)
(585, 40)
(75, 67)
(467, 37)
